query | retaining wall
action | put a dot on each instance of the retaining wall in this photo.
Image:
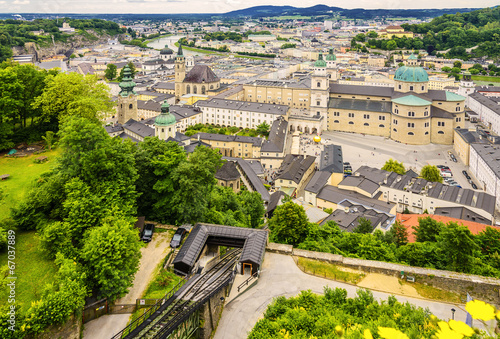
(483, 288)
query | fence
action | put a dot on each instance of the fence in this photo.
(95, 310)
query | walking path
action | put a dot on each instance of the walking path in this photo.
(152, 254)
(281, 277)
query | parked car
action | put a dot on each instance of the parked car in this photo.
(445, 174)
(474, 186)
(464, 172)
(441, 166)
(177, 238)
(147, 233)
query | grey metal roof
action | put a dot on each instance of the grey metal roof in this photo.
(253, 249)
(318, 181)
(139, 129)
(228, 171)
(274, 200)
(362, 183)
(165, 85)
(349, 217)
(244, 106)
(250, 175)
(485, 101)
(462, 213)
(201, 74)
(374, 174)
(294, 167)
(361, 90)
(256, 166)
(114, 128)
(360, 105)
(337, 195)
(437, 112)
(277, 136)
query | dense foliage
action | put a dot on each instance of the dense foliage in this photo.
(18, 32)
(447, 247)
(455, 32)
(313, 316)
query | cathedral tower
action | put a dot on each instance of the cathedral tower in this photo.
(180, 74)
(319, 89)
(165, 123)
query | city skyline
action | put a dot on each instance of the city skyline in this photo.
(210, 6)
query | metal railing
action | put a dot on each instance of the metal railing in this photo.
(253, 276)
(139, 320)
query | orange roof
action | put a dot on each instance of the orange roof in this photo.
(409, 220)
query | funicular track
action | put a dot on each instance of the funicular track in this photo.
(188, 299)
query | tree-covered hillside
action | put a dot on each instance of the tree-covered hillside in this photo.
(460, 31)
(17, 32)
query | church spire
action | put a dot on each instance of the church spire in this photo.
(127, 84)
(179, 51)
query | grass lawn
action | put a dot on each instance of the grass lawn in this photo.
(434, 293)
(33, 270)
(327, 270)
(22, 173)
(485, 78)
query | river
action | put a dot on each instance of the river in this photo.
(169, 41)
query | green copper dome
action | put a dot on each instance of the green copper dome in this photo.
(165, 118)
(412, 72)
(330, 56)
(413, 57)
(320, 62)
(127, 85)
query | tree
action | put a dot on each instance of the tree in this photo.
(392, 165)
(110, 72)
(132, 71)
(263, 129)
(399, 234)
(431, 173)
(456, 70)
(446, 69)
(49, 139)
(457, 64)
(428, 229)
(253, 207)
(289, 224)
(73, 95)
(364, 226)
(111, 254)
(457, 243)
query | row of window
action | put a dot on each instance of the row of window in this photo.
(411, 87)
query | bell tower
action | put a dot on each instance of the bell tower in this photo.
(127, 98)
(180, 74)
(319, 89)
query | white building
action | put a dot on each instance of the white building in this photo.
(487, 109)
(484, 164)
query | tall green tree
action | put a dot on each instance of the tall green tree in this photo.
(428, 229)
(431, 173)
(73, 95)
(289, 224)
(399, 233)
(364, 226)
(110, 72)
(263, 129)
(111, 254)
(253, 207)
(458, 247)
(392, 165)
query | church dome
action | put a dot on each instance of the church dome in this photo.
(320, 62)
(330, 56)
(411, 74)
(165, 118)
(166, 51)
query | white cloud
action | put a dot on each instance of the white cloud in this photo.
(21, 2)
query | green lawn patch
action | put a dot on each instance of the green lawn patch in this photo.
(485, 78)
(434, 293)
(327, 270)
(33, 270)
(23, 171)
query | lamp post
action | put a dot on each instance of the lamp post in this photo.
(453, 314)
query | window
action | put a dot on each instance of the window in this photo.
(188, 89)
(382, 126)
(426, 124)
(195, 90)
(426, 133)
(162, 130)
(203, 89)
(426, 113)
(395, 130)
(458, 119)
(440, 132)
(366, 124)
(457, 108)
(441, 123)
(396, 111)
(395, 122)
(399, 86)
(318, 84)
(335, 121)
(423, 88)
(354, 97)
(336, 114)
(351, 123)
(366, 116)
(411, 114)
(351, 115)
(410, 133)
(130, 106)
(411, 125)
(318, 103)
(411, 88)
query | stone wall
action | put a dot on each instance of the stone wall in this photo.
(483, 288)
(69, 330)
(210, 314)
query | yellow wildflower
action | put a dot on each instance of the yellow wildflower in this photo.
(367, 334)
(445, 332)
(339, 330)
(480, 310)
(461, 328)
(391, 333)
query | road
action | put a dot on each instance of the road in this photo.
(281, 277)
(152, 254)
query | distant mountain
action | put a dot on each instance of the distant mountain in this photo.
(358, 13)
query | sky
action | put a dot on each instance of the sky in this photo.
(214, 6)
